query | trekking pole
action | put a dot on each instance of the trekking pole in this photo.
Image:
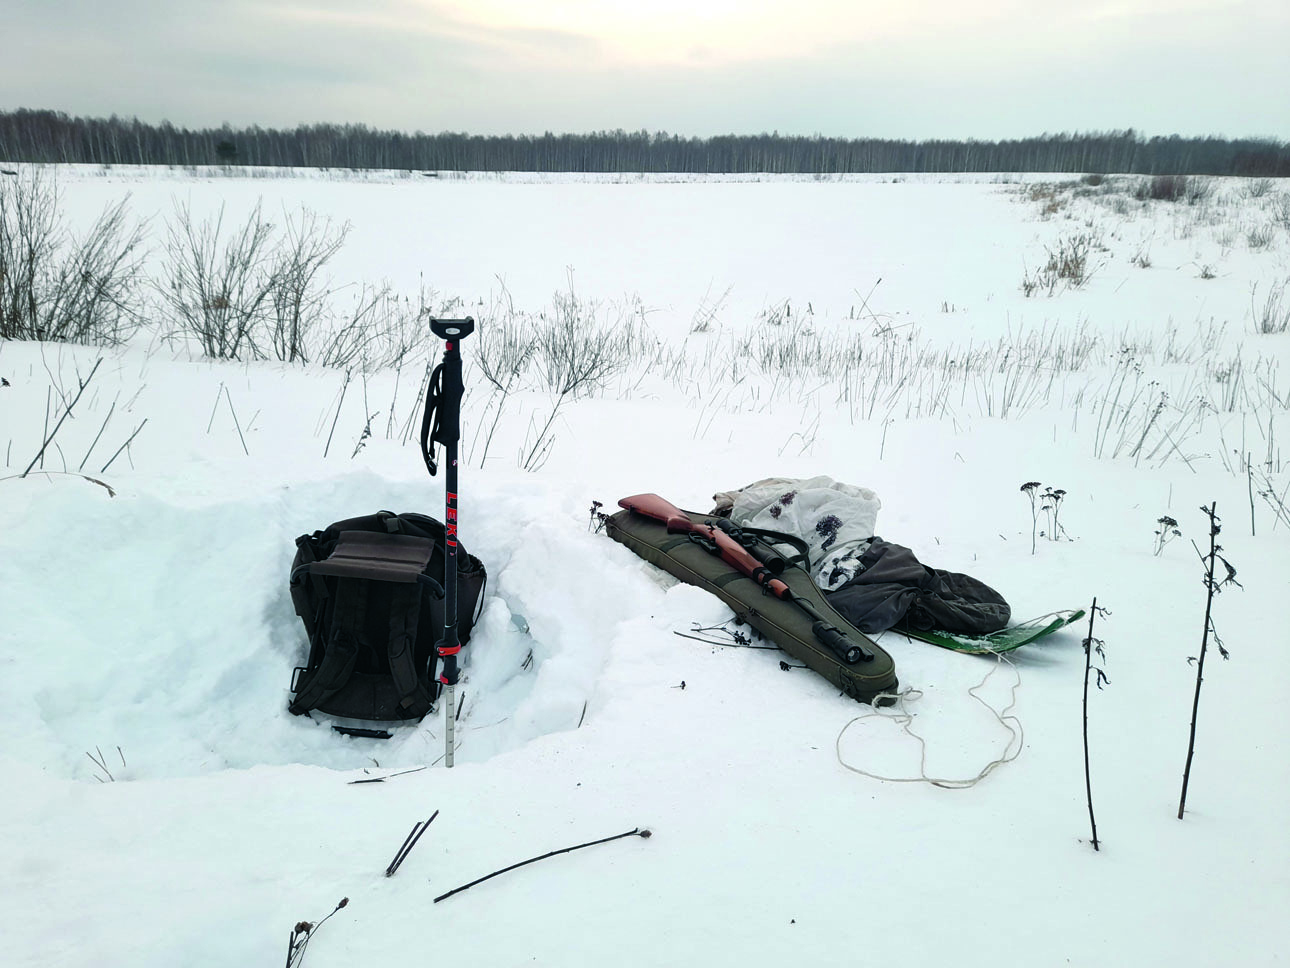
(446, 400)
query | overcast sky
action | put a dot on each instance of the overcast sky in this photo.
(882, 68)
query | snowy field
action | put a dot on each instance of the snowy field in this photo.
(940, 340)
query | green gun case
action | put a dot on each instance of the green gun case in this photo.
(780, 622)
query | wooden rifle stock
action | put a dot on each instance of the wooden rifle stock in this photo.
(737, 556)
(730, 550)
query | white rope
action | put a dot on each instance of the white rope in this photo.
(1005, 718)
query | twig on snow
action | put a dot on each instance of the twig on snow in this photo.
(634, 832)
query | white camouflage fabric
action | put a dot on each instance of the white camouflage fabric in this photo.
(836, 520)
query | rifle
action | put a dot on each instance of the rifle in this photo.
(752, 540)
(722, 542)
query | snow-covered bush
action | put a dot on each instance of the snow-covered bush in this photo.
(56, 286)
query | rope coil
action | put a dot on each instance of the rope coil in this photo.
(904, 719)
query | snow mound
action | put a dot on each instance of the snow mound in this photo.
(176, 637)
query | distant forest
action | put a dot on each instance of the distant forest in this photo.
(51, 136)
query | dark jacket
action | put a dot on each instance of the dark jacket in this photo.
(894, 589)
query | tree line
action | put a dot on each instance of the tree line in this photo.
(54, 137)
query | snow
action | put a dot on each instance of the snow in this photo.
(151, 626)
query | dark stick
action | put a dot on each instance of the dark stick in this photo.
(1088, 665)
(635, 832)
(388, 776)
(402, 847)
(1204, 644)
(408, 844)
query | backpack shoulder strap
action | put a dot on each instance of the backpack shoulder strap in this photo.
(405, 616)
(341, 643)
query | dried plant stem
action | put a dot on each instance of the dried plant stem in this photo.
(1210, 588)
(341, 403)
(634, 832)
(66, 413)
(304, 933)
(111, 410)
(101, 763)
(129, 440)
(1249, 485)
(84, 477)
(1088, 668)
(229, 400)
(44, 433)
(215, 408)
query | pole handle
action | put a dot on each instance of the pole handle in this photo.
(451, 329)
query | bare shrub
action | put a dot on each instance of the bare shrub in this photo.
(1163, 188)
(706, 313)
(1280, 209)
(54, 286)
(1258, 187)
(1273, 315)
(574, 352)
(1260, 237)
(220, 286)
(297, 296)
(1176, 188)
(379, 329)
(256, 291)
(1198, 190)
(505, 346)
(1048, 197)
(503, 355)
(570, 350)
(1067, 263)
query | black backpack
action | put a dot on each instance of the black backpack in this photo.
(370, 592)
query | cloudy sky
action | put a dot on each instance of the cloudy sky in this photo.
(883, 68)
